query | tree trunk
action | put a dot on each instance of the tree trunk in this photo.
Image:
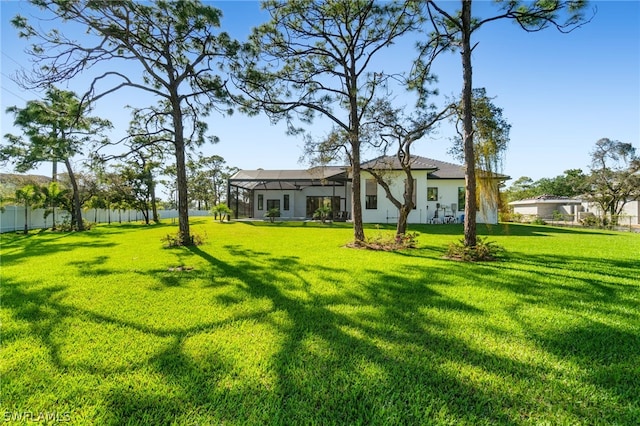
(26, 218)
(154, 207)
(407, 205)
(356, 190)
(77, 208)
(54, 178)
(356, 185)
(181, 175)
(145, 214)
(614, 213)
(401, 228)
(470, 205)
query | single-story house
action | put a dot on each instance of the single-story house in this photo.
(550, 207)
(630, 214)
(297, 194)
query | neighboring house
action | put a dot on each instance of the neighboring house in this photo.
(550, 207)
(438, 196)
(630, 214)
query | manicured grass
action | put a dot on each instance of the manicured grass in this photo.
(281, 324)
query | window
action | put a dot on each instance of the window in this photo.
(432, 193)
(461, 194)
(286, 202)
(371, 194)
(260, 202)
(315, 202)
(273, 204)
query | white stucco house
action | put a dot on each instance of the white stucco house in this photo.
(630, 214)
(438, 196)
(549, 208)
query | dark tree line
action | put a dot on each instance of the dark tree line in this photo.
(128, 184)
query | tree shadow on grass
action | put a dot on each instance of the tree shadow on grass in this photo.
(379, 352)
(364, 356)
(92, 268)
(25, 248)
(367, 357)
(609, 357)
(596, 325)
(576, 279)
(511, 229)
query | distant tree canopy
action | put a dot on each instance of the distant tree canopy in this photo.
(573, 183)
(615, 175)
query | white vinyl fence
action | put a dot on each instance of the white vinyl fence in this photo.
(12, 218)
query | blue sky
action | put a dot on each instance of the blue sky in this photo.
(560, 92)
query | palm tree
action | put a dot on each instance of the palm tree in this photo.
(29, 196)
(52, 196)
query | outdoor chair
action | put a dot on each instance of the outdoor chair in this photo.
(435, 219)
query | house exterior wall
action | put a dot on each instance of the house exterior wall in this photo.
(298, 199)
(630, 212)
(526, 210)
(447, 198)
(546, 209)
(386, 212)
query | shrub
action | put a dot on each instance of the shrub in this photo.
(483, 251)
(65, 225)
(272, 214)
(221, 210)
(322, 213)
(593, 221)
(389, 242)
(538, 221)
(175, 240)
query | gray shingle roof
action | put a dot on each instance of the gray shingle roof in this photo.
(437, 170)
(393, 163)
(316, 173)
(441, 169)
(288, 179)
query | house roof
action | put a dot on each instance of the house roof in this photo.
(439, 169)
(338, 175)
(546, 199)
(393, 163)
(289, 179)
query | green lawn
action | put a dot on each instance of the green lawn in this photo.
(281, 324)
